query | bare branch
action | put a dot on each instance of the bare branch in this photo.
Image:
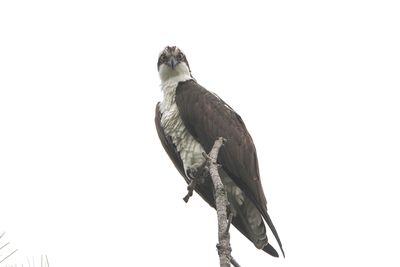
(221, 203)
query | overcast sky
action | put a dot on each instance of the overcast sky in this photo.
(85, 180)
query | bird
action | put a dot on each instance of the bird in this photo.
(188, 121)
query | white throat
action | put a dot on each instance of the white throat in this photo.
(169, 81)
(180, 72)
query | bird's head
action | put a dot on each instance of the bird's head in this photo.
(172, 63)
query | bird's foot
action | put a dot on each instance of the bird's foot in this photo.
(190, 188)
(196, 176)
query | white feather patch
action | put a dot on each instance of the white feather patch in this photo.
(190, 150)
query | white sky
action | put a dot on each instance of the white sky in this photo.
(84, 178)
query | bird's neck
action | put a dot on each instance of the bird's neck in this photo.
(175, 79)
(168, 87)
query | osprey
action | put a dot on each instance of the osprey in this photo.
(188, 120)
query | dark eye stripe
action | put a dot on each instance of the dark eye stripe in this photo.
(163, 57)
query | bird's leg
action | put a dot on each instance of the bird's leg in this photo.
(196, 175)
(192, 184)
(231, 213)
(202, 172)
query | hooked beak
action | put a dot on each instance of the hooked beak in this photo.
(172, 62)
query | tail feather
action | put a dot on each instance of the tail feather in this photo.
(270, 250)
(274, 232)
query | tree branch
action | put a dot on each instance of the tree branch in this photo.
(221, 203)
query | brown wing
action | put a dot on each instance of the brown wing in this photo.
(207, 117)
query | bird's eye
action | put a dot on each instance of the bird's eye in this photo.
(162, 57)
(180, 56)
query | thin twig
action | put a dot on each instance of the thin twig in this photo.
(5, 245)
(234, 262)
(9, 255)
(229, 221)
